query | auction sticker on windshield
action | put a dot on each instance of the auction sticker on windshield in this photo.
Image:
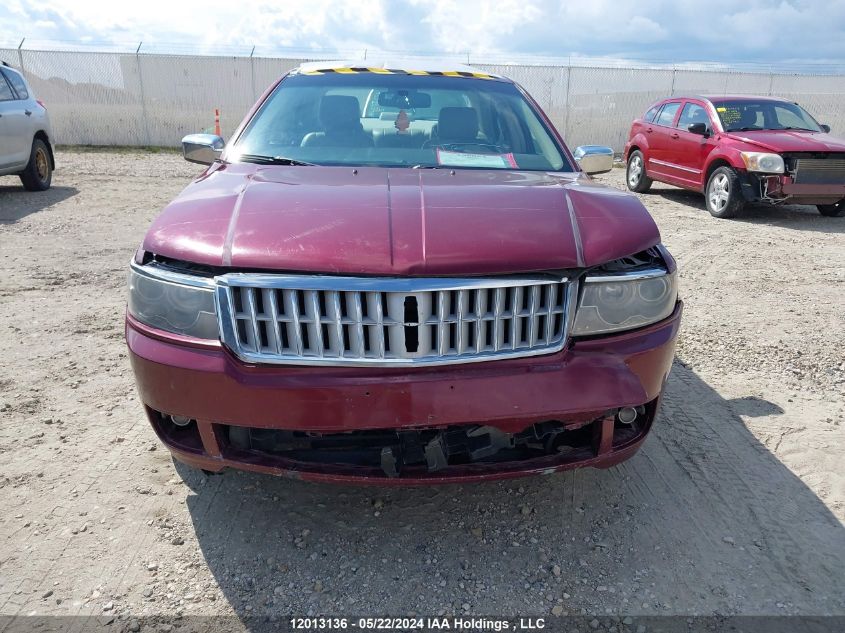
(463, 159)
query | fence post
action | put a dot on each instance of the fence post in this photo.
(20, 55)
(566, 111)
(252, 71)
(674, 73)
(143, 99)
(771, 82)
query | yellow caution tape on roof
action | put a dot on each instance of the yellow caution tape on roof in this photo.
(390, 71)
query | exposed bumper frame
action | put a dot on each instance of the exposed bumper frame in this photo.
(577, 385)
(781, 188)
(604, 455)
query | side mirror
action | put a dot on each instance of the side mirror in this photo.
(698, 128)
(594, 159)
(825, 128)
(202, 148)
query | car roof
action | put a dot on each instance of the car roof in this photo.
(387, 67)
(720, 98)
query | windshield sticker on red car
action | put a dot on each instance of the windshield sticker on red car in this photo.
(465, 159)
(728, 115)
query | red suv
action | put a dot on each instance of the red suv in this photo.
(737, 150)
(400, 275)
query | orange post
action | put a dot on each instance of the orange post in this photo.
(217, 121)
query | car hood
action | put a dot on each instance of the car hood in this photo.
(398, 221)
(790, 141)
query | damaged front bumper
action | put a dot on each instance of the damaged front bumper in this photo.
(457, 453)
(782, 189)
(591, 404)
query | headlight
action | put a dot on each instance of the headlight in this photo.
(182, 304)
(761, 161)
(611, 303)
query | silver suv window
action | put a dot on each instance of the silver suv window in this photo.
(6, 93)
(17, 83)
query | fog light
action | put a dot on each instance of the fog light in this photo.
(180, 420)
(627, 415)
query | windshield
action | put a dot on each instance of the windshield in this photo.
(399, 120)
(764, 114)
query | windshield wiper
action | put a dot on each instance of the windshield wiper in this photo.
(421, 166)
(799, 129)
(274, 160)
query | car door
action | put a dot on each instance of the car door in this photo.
(17, 130)
(6, 142)
(658, 134)
(688, 152)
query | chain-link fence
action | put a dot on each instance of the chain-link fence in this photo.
(155, 99)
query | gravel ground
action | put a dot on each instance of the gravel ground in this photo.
(734, 506)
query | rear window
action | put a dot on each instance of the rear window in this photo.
(439, 99)
(17, 83)
(667, 114)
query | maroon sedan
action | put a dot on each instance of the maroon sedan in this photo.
(400, 275)
(737, 150)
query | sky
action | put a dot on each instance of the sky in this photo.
(723, 31)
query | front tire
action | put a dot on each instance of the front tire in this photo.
(38, 173)
(832, 210)
(635, 175)
(723, 194)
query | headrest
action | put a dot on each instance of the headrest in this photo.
(339, 111)
(748, 118)
(457, 124)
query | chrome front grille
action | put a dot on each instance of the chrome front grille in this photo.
(819, 171)
(315, 320)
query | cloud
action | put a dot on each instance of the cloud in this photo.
(665, 30)
(477, 26)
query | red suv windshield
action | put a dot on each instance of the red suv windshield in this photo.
(400, 120)
(764, 114)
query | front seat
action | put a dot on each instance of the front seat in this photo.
(457, 125)
(340, 117)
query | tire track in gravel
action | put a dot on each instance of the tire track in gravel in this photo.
(734, 477)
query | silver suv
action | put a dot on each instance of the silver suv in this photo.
(25, 146)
